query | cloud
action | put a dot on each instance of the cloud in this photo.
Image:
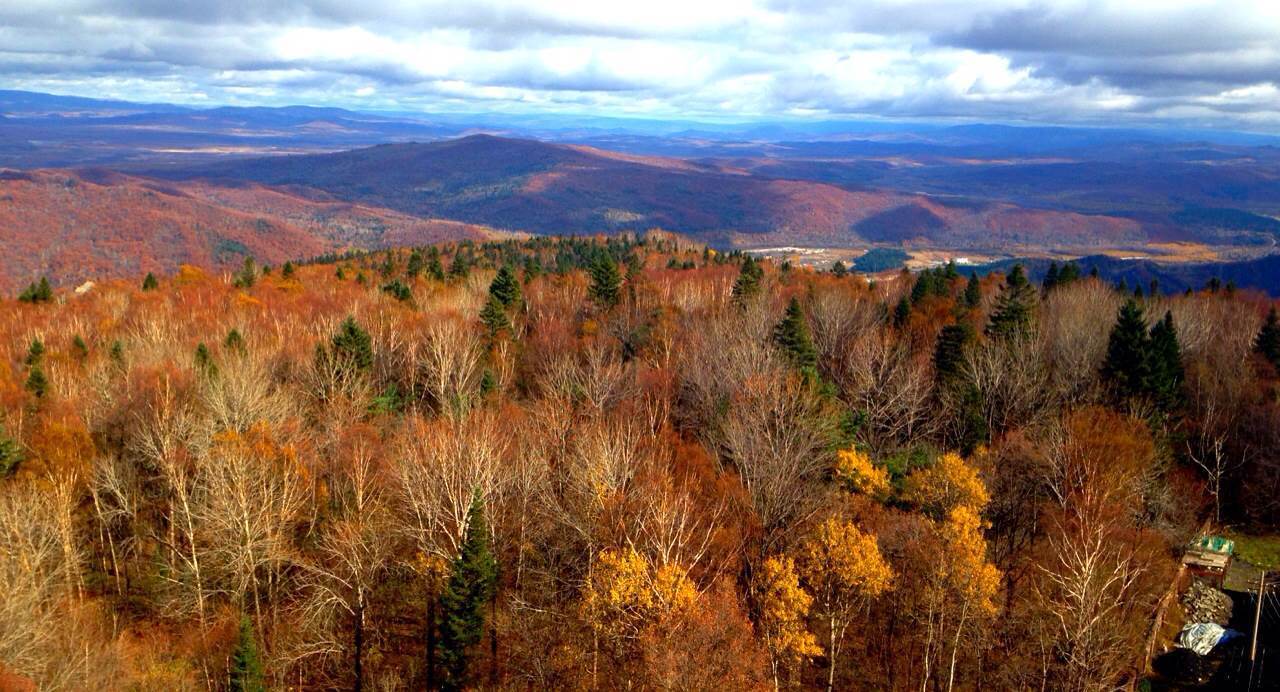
(1181, 62)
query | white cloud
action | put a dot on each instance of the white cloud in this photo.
(1065, 60)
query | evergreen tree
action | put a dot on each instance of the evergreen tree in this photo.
(902, 312)
(246, 674)
(1166, 364)
(461, 267)
(435, 270)
(117, 352)
(1070, 272)
(37, 292)
(747, 285)
(79, 348)
(414, 266)
(606, 281)
(494, 317)
(235, 342)
(505, 288)
(1012, 315)
(35, 353)
(397, 290)
(351, 347)
(1128, 365)
(792, 336)
(37, 384)
(10, 454)
(204, 360)
(948, 352)
(1051, 277)
(472, 584)
(839, 269)
(149, 283)
(1268, 341)
(973, 292)
(287, 271)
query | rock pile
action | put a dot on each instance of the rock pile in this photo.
(1203, 603)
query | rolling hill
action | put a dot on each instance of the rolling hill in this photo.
(556, 188)
(73, 226)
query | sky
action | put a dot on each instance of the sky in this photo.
(1186, 63)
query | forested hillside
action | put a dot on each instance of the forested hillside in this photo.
(614, 464)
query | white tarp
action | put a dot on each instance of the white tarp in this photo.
(1201, 637)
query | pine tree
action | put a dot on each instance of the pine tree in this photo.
(472, 584)
(287, 271)
(79, 348)
(948, 352)
(973, 292)
(1268, 340)
(1166, 364)
(792, 336)
(435, 270)
(35, 353)
(1051, 277)
(37, 384)
(204, 360)
(606, 281)
(1128, 364)
(1012, 316)
(10, 454)
(494, 317)
(414, 266)
(235, 342)
(398, 290)
(902, 312)
(149, 283)
(839, 269)
(351, 347)
(1070, 272)
(747, 285)
(505, 288)
(37, 292)
(246, 674)
(117, 352)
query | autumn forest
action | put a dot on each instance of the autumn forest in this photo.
(615, 463)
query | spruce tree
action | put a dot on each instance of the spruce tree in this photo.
(246, 674)
(434, 269)
(902, 312)
(414, 266)
(35, 353)
(204, 361)
(472, 584)
(1051, 277)
(973, 292)
(1012, 315)
(149, 283)
(79, 348)
(287, 271)
(494, 317)
(948, 352)
(37, 384)
(747, 285)
(606, 281)
(505, 288)
(1268, 340)
(839, 269)
(351, 347)
(1070, 272)
(1128, 364)
(235, 342)
(1166, 364)
(792, 336)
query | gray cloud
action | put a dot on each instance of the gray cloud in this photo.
(1203, 62)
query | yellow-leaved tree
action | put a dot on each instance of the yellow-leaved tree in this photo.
(947, 484)
(783, 608)
(857, 473)
(843, 568)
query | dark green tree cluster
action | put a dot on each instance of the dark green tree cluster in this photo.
(839, 270)
(248, 274)
(350, 350)
(606, 282)
(10, 454)
(398, 290)
(748, 283)
(933, 282)
(36, 383)
(972, 296)
(1013, 313)
(288, 270)
(472, 585)
(149, 283)
(1144, 363)
(414, 266)
(246, 673)
(1062, 275)
(791, 335)
(39, 292)
(1268, 341)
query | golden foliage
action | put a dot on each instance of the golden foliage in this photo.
(948, 484)
(842, 561)
(783, 608)
(857, 473)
